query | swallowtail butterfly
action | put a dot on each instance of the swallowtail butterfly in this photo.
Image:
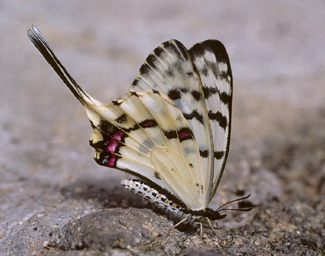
(171, 129)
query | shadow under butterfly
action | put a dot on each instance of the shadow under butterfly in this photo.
(171, 129)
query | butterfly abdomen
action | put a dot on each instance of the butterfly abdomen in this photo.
(174, 211)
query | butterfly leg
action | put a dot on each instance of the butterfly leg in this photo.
(177, 224)
(212, 227)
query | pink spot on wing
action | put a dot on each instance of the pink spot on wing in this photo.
(183, 135)
(118, 135)
(111, 161)
(111, 147)
(149, 123)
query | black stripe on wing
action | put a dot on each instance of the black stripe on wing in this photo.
(221, 119)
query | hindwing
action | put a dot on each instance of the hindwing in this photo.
(144, 133)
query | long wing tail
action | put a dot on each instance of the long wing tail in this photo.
(42, 45)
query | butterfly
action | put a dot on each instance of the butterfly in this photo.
(171, 129)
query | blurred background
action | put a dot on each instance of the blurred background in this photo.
(276, 50)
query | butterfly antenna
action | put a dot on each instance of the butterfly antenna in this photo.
(44, 48)
(233, 201)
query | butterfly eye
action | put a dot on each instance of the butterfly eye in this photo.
(215, 215)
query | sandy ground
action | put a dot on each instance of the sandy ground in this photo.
(55, 200)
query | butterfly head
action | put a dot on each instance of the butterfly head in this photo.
(214, 215)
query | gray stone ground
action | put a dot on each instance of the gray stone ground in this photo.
(55, 200)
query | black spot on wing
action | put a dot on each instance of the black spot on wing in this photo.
(204, 71)
(204, 153)
(158, 51)
(134, 94)
(105, 127)
(151, 59)
(99, 144)
(169, 72)
(193, 115)
(148, 123)
(157, 176)
(198, 49)
(196, 95)
(182, 48)
(222, 120)
(117, 103)
(145, 68)
(219, 154)
(174, 94)
(223, 75)
(209, 91)
(169, 45)
(177, 65)
(225, 98)
(171, 134)
(212, 65)
(178, 48)
(190, 73)
(135, 82)
(121, 119)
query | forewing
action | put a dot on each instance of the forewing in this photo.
(212, 63)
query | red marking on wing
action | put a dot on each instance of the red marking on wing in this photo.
(184, 135)
(118, 135)
(150, 123)
(111, 160)
(111, 147)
